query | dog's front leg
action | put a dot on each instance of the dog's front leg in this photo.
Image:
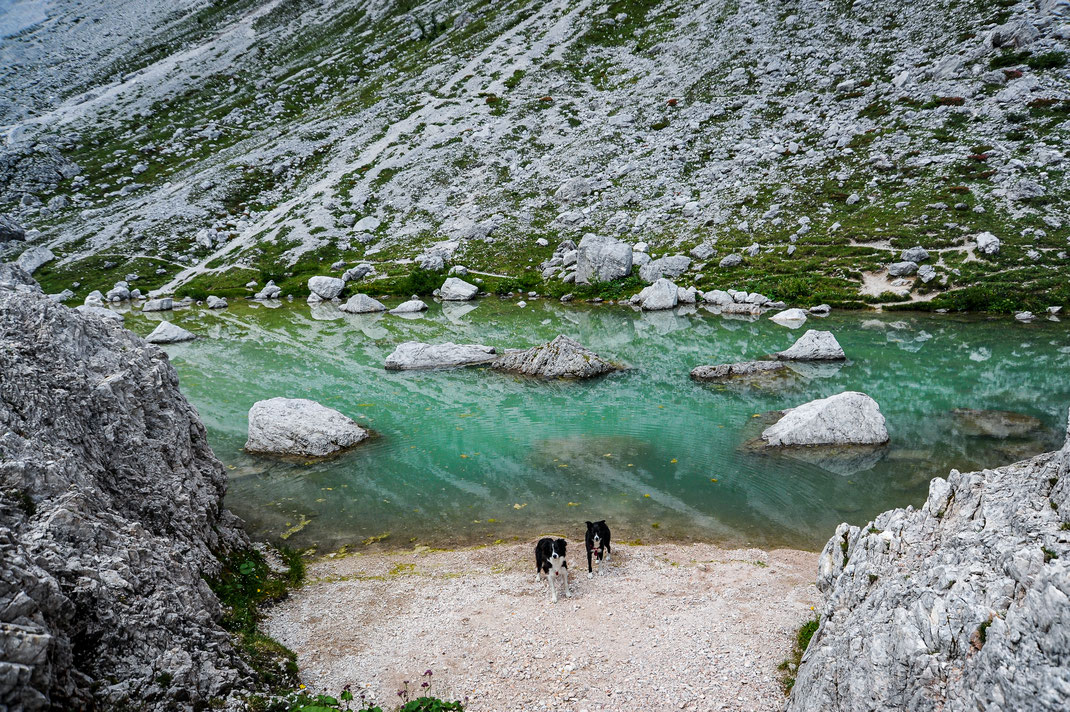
(552, 580)
(589, 574)
(564, 572)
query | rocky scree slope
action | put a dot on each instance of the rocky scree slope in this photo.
(810, 141)
(110, 518)
(963, 604)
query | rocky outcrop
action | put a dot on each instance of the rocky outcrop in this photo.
(814, 345)
(32, 259)
(848, 418)
(10, 230)
(745, 370)
(561, 358)
(111, 516)
(963, 604)
(301, 427)
(602, 259)
(415, 355)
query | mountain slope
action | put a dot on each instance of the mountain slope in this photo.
(249, 141)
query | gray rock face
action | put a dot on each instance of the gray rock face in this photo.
(168, 333)
(457, 290)
(326, 287)
(561, 358)
(732, 260)
(848, 418)
(744, 370)
(102, 312)
(164, 304)
(963, 604)
(601, 259)
(814, 345)
(413, 355)
(362, 304)
(902, 269)
(672, 266)
(359, 272)
(914, 254)
(297, 426)
(702, 252)
(10, 230)
(987, 243)
(110, 517)
(33, 258)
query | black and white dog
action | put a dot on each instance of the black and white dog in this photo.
(550, 562)
(597, 541)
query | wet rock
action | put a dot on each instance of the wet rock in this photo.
(744, 370)
(214, 302)
(111, 518)
(814, 345)
(270, 291)
(791, 318)
(168, 333)
(412, 355)
(561, 358)
(848, 418)
(411, 306)
(301, 427)
(163, 304)
(362, 304)
(457, 290)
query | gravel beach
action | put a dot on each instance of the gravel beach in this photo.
(670, 626)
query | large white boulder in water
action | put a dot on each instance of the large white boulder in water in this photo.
(814, 345)
(326, 287)
(602, 259)
(662, 294)
(848, 418)
(362, 304)
(457, 290)
(412, 355)
(168, 333)
(791, 318)
(561, 358)
(298, 426)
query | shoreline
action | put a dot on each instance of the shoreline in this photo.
(694, 626)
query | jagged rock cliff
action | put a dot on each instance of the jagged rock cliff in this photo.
(963, 604)
(110, 516)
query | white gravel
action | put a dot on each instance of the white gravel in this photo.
(670, 626)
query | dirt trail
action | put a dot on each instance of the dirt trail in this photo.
(669, 626)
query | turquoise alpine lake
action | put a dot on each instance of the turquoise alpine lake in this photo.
(473, 455)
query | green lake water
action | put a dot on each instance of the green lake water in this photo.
(473, 455)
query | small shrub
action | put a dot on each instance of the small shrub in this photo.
(1048, 60)
(1009, 59)
(420, 281)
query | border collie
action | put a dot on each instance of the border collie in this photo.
(550, 562)
(597, 541)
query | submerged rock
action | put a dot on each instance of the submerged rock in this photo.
(814, 345)
(412, 306)
(111, 518)
(214, 302)
(996, 423)
(848, 418)
(362, 304)
(412, 355)
(962, 604)
(744, 370)
(168, 333)
(561, 358)
(791, 318)
(297, 426)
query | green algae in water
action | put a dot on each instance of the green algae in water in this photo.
(471, 455)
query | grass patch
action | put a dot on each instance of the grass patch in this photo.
(791, 666)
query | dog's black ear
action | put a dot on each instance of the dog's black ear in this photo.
(601, 522)
(589, 524)
(564, 545)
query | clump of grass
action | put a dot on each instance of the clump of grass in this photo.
(790, 666)
(300, 701)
